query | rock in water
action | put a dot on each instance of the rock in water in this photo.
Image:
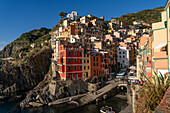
(35, 104)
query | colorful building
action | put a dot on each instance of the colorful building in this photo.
(144, 58)
(159, 45)
(86, 65)
(70, 61)
(95, 64)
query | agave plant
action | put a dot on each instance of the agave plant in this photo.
(152, 92)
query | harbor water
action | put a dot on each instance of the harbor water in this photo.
(12, 106)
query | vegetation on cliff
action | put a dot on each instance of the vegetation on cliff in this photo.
(22, 44)
(149, 16)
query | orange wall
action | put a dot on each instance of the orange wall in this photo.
(92, 67)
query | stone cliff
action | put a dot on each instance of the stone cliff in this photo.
(25, 61)
(24, 76)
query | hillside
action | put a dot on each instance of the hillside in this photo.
(22, 44)
(23, 66)
(149, 16)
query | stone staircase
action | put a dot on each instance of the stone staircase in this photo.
(91, 97)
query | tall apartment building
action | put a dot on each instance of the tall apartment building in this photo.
(123, 56)
(160, 39)
(144, 58)
(86, 65)
(95, 64)
(69, 60)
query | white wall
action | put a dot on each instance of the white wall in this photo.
(162, 71)
(124, 54)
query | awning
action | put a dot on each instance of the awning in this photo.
(160, 45)
(121, 73)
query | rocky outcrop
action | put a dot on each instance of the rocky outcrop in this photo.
(15, 76)
(42, 93)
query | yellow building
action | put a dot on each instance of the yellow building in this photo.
(86, 66)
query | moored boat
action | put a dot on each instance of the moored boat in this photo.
(106, 109)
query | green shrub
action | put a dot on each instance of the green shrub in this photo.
(152, 93)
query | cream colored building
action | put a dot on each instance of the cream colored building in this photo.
(159, 43)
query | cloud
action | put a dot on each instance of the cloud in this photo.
(2, 44)
(1, 48)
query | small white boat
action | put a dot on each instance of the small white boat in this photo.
(106, 110)
(73, 102)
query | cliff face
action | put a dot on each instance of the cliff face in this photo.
(16, 77)
(23, 66)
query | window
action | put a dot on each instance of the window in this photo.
(94, 64)
(80, 67)
(80, 60)
(75, 60)
(94, 58)
(123, 56)
(97, 58)
(69, 67)
(84, 67)
(69, 60)
(71, 76)
(75, 67)
(69, 53)
(84, 61)
(94, 72)
(61, 47)
(87, 55)
(119, 56)
(97, 64)
(76, 76)
(88, 67)
(80, 53)
(75, 53)
(87, 61)
(119, 52)
(61, 54)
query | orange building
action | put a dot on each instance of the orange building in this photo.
(95, 64)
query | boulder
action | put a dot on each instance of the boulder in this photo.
(35, 104)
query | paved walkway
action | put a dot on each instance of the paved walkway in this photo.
(92, 97)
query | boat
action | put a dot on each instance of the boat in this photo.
(106, 109)
(19, 96)
(73, 103)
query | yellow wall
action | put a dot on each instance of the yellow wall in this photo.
(86, 64)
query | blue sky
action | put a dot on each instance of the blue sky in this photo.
(19, 16)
